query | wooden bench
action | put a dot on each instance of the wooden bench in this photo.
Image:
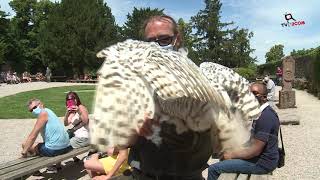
(236, 176)
(83, 81)
(59, 78)
(25, 166)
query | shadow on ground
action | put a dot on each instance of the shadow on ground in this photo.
(70, 171)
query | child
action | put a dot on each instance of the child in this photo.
(114, 164)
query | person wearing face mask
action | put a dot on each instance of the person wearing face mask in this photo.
(261, 156)
(56, 139)
(164, 31)
(175, 158)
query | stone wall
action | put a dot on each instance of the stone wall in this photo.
(303, 67)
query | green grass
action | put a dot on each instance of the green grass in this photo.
(14, 106)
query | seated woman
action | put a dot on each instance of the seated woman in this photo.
(77, 115)
(105, 168)
(39, 76)
(26, 77)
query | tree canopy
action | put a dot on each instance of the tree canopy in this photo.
(133, 26)
(216, 41)
(275, 53)
(74, 32)
(68, 34)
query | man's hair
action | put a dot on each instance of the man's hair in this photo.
(165, 18)
(161, 18)
(32, 100)
(262, 88)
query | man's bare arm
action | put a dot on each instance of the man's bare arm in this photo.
(41, 121)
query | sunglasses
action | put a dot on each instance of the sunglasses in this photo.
(34, 107)
(163, 40)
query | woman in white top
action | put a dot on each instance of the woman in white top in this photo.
(77, 115)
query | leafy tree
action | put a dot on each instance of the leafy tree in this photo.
(75, 31)
(216, 42)
(188, 38)
(4, 23)
(20, 26)
(275, 53)
(209, 32)
(23, 50)
(133, 26)
(301, 52)
(240, 49)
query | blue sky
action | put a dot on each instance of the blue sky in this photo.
(262, 17)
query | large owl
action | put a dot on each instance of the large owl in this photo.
(140, 77)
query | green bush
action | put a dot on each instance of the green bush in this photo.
(247, 72)
(268, 68)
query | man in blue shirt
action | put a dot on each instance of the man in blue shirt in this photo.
(56, 139)
(261, 156)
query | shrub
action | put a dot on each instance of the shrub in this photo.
(249, 72)
(268, 68)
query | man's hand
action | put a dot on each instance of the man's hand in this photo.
(146, 128)
(24, 154)
(226, 155)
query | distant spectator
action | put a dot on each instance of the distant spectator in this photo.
(39, 76)
(279, 76)
(48, 74)
(26, 77)
(15, 78)
(87, 77)
(9, 78)
(2, 77)
(271, 90)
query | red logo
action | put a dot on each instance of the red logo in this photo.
(294, 22)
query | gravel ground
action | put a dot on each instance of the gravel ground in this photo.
(301, 141)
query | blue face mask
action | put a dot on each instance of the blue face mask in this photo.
(168, 47)
(36, 111)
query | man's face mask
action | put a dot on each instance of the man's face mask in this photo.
(36, 111)
(258, 96)
(168, 47)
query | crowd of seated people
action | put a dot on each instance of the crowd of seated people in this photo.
(10, 77)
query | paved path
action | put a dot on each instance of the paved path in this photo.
(301, 141)
(10, 89)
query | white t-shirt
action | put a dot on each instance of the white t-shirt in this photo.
(82, 132)
(271, 90)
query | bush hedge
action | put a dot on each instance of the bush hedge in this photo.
(249, 72)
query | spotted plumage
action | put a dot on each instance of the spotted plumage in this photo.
(139, 77)
(236, 94)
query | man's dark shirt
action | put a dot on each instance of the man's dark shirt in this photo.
(266, 129)
(178, 155)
